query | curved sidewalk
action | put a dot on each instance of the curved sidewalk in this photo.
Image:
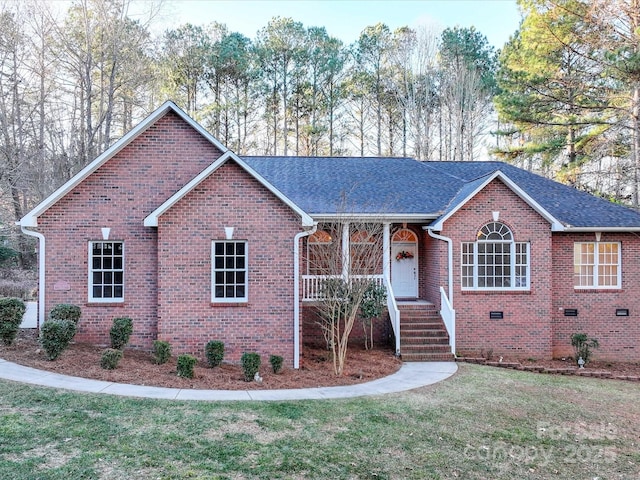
(410, 375)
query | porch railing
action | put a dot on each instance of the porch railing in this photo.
(312, 291)
(394, 313)
(312, 284)
(448, 315)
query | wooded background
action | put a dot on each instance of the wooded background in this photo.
(561, 98)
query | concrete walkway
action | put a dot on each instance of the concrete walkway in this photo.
(410, 375)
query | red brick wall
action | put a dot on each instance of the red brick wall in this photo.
(525, 329)
(186, 317)
(619, 337)
(312, 332)
(433, 269)
(119, 195)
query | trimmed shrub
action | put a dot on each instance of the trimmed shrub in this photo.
(11, 313)
(161, 352)
(120, 332)
(110, 358)
(185, 365)
(214, 350)
(65, 311)
(276, 362)
(55, 336)
(250, 365)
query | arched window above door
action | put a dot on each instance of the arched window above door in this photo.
(404, 236)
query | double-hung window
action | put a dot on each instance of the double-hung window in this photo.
(596, 265)
(495, 261)
(230, 274)
(106, 271)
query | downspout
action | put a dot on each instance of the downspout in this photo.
(449, 259)
(296, 292)
(41, 272)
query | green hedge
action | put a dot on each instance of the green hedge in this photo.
(120, 332)
(11, 313)
(55, 336)
(161, 352)
(214, 351)
(66, 311)
(276, 362)
(110, 358)
(250, 365)
(185, 365)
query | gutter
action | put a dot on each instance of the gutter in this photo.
(449, 258)
(296, 292)
(41, 271)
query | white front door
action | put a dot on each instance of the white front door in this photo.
(404, 270)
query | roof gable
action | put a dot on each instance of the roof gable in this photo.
(576, 210)
(152, 219)
(31, 218)
(472, 188)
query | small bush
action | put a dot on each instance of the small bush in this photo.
(110, 358)
(161, 352)
(120, 332)
(250, 365)
(55, 337)
(582, 345)
(11, 313)
(65, 311)
(185, 365)
(276, 362)
(214, 350)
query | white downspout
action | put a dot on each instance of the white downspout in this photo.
(41, 271)
(449, 259)
(296, 293)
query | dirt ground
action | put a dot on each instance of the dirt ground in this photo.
(137, 367)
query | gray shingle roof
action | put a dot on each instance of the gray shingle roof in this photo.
(404, 186)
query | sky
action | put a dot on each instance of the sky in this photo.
(345, 19)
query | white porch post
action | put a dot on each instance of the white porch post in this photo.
(346, 255)
(386, 250)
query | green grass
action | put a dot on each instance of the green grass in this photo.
(482, 423)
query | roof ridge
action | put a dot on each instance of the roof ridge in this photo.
(429, 164)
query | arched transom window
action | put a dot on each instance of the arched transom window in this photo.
(404, 236)
(495, 261)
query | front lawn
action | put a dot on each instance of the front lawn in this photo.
(482, 423)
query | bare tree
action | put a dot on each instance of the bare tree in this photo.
(346, 255)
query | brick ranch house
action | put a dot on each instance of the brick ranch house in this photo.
(195, 243)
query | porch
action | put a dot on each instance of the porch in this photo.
(393, 256)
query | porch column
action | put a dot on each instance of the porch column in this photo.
(346, 255)
(386, 250)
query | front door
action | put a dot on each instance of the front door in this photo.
(404, 265)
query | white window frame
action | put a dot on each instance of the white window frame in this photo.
(112, 270)
(224, 270)
(469, 264)
(595, 274)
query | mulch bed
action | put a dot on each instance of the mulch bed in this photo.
(137, 367)
(598, 369)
